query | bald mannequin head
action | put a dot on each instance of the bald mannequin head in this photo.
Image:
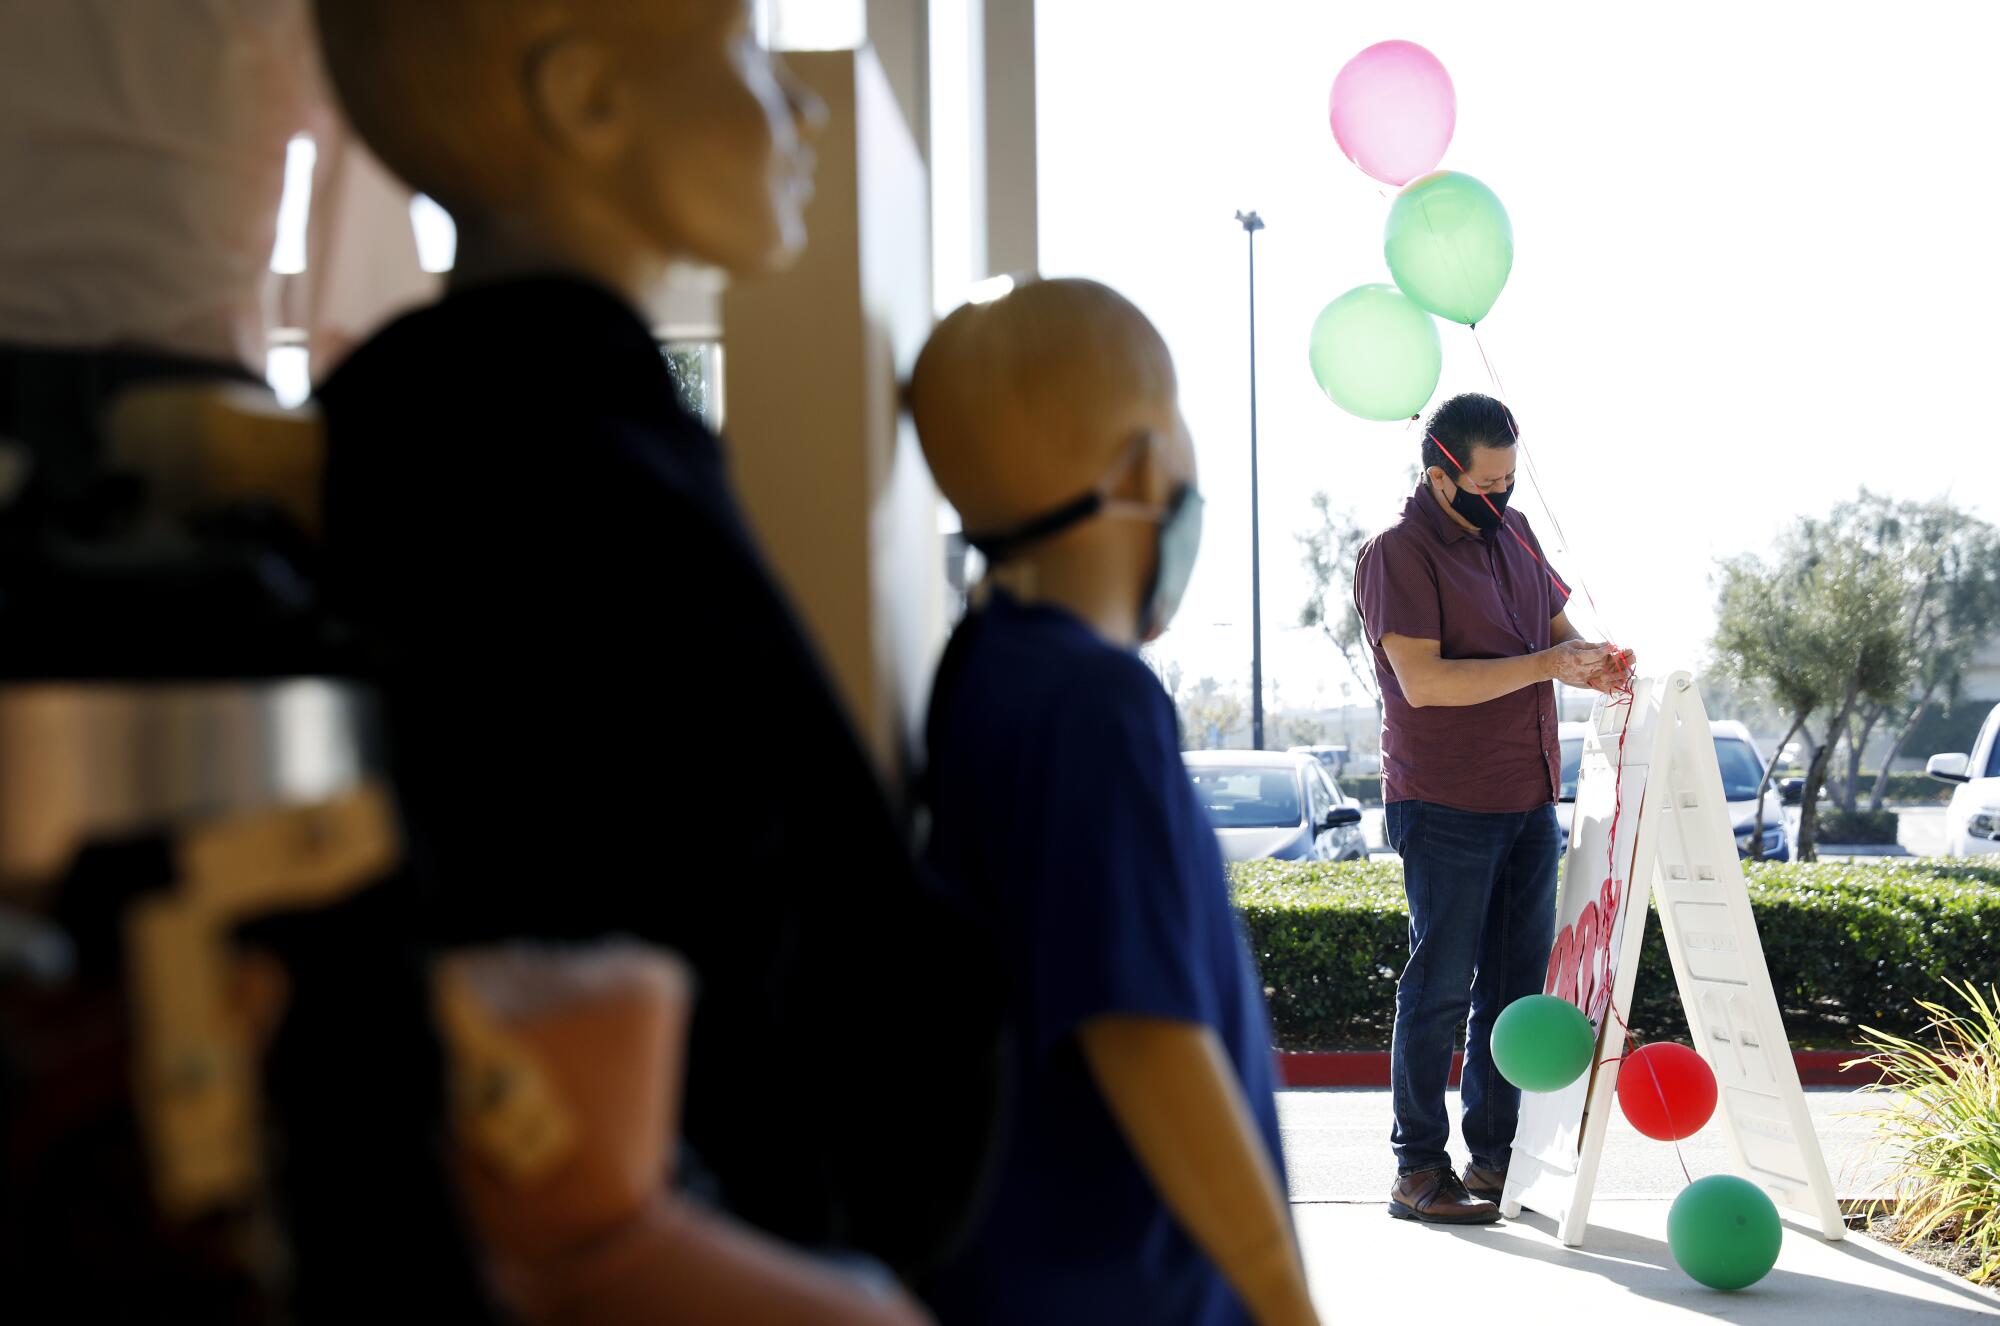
(626, 133)
(1053, 390)
(1024, 402)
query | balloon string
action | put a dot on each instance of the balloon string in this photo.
(1535, 482)
(1622, 698)
(1555, 523)
(1554, 579)
(1498, 385)
(1673, 1128)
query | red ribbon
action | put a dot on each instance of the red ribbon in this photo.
(1554, 579)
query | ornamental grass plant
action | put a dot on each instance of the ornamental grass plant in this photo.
(1940, 1127)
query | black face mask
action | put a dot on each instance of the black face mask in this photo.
(1475, 509)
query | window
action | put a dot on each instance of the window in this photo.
(1572, 759)
(1317, 793)
(1740, 770)
(437, 235)
(1249, 798)
(818, 25)
(696, 370)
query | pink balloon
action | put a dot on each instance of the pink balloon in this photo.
(1392, 110)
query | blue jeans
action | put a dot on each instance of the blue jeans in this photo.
(1482, 891)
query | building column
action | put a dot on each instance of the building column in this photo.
(827, 465)
(1004, 135)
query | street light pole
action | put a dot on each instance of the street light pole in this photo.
(1252, 223)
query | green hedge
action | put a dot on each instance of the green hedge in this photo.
(1856, 827)
(1846, 944)
(1909, 787)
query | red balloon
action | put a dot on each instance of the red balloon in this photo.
(1667, 1091)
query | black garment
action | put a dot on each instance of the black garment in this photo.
(52, 401)
(94, 586)
(352, 1119)
(606, 719)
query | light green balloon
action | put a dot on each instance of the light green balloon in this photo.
(1376, 354)
(1450, 245)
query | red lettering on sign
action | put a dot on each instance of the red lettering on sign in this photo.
(1562, 967)
(1586, 956)
(1612, 895)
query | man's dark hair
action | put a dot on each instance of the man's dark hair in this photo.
(1462, 423)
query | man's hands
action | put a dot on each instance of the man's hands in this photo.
(1590, 666)
(1575, 662)
(1621, 666)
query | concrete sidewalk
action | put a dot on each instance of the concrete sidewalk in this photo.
(1340, 1168)
(1365, 1266)
(1337, 1147)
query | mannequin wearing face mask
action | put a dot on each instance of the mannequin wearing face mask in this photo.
(1141, 1178)
(571, 622)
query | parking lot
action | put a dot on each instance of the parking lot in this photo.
(1919, 832)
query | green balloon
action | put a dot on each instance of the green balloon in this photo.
(1542, 1043)
(1376, 354)
(1450, 245)
(1724, 1232)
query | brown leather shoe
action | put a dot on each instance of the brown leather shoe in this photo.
(1485, 1184)
(1436, 1197)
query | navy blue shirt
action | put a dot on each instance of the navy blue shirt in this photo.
(1063, 816)
(565, 614)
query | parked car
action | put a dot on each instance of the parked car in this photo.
(1742, 766)
(1283, 806)
(1972, 819)
(1792, 791)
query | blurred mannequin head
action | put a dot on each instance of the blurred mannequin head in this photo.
(611, 136)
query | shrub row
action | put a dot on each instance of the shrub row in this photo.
(1908, 787)
(1856, 826)
(1847, 944)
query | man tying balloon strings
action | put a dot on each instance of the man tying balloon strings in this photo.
(1466, 622)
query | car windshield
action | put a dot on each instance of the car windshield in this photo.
(1572, 758)
(1248, 798)
(1993, 761)
(1740, 771)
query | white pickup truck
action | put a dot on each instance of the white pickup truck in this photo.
(1972, 820)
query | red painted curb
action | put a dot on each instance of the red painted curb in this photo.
(1370, 1068)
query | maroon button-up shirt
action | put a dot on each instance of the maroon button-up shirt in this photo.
(1478, 596)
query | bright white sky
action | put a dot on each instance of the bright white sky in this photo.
(1755, 268)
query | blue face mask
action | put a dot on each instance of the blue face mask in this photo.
(1179, 542)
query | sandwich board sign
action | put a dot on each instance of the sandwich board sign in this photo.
(1674, 842)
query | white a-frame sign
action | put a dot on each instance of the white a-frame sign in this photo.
(1675, 841)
